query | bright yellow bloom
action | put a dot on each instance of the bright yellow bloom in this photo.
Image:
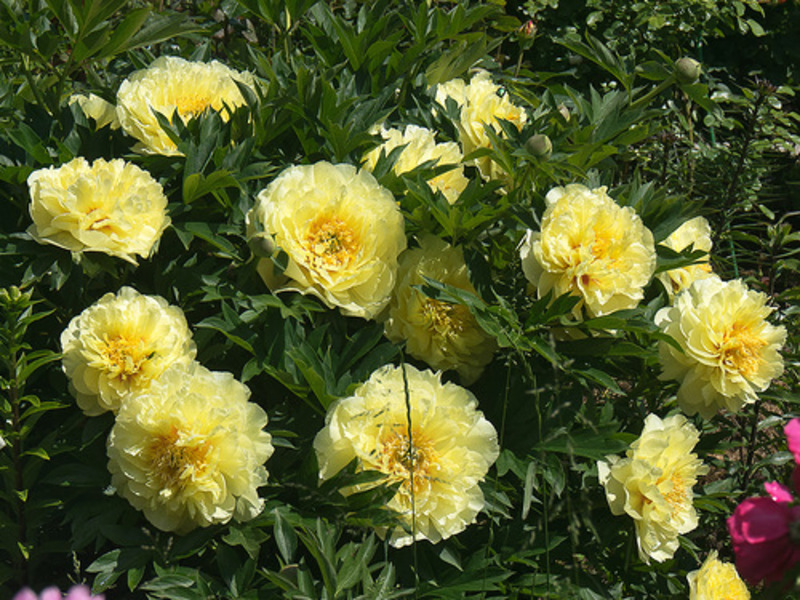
(342, 233)
(590, 247)
(420, 147)
(103, 112)
(696, 232)
(482, 102)
(730, 351)
(716, 580)
(190, 450)
(444, 335)
(111, 207)
(450, 449)
(173, 84)
(653, 484)
(119, 345)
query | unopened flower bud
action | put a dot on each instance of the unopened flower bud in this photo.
(528, 30)
(540, 146)
(262, 245)
(687, 70)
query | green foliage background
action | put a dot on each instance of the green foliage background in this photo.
(598, 79)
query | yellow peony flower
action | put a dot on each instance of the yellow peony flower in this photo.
(590, 247)
(730, 351)
(172, 84)
(112, 207)
(190, 450)
(716, 580)
(653, 484)
(696, 232)
(120, 344)
(482, 103)
(444, 335)
(342, 233)
(420, 146)
(103, 112)
(450, 451)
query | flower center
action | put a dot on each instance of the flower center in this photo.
(125, 355)
(740, 350)
(443, 318)
(330, 244)
(190, 105)
(174, 460)
(405, 461)
(678, 495)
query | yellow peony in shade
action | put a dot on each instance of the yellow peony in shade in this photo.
(444, 335)
(190, 450)
(450, 449)
(730, 351)
(653, 484)
(120, 344)
(695, 232)
(340, 230)
(590, 247)
(111, 207)
(420, 147)
(716, 580)
(482, 104)
(173, 84)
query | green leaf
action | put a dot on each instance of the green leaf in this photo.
(285, 537)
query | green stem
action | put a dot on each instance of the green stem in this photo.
(653, 93)
(16, 454)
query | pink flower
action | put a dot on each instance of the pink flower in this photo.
(792, 431)
(76, 592)
(761, 530)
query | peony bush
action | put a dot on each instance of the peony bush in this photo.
(379, 300)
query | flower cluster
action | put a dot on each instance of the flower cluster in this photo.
(729, 350)
(427, 436)
(590, 247)
(653, 484)
(342, 233)
(76, 592)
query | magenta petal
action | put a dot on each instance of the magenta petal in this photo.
(51, 593)
(758, 520)
(778, 492)
(26, 594)
(792, 431)
(80, 592)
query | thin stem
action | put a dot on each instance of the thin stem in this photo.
(16, 453)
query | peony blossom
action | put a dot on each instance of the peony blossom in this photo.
(420, 147)
(438, 466)
(171, 84)
(482, 104)
(696, 233)
(653, 484)
(589, 246)
(716, 580)
(730, 351)
(764, 535)
(190, 450)
(76, 592)
(120, 344)
(444, 335)
(341, 231)
(111, 207)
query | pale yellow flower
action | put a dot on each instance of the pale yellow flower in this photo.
(653, 484)
(449, 452)
(111, 207)
(696, 232)
(444, 335)
(190, 450)
(173, 84)
(716, 580)
(590, 247)
(730, 351)
(120, 344)
(420, 147)
(341, 231)
(482, 103)
(103, 112)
